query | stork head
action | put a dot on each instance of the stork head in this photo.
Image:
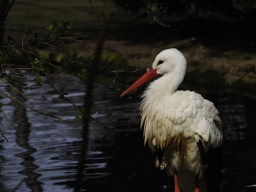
(169, 61)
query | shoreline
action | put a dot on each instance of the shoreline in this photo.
(205, 65)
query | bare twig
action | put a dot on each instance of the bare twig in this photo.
(153, 11)
(24, 95)
(104, 85)
(63, 97)
(48, 41)
(113, 81)
(95, 12)
(29, 107)
(51, 45)
(103, 124)
(160, 23)
(22, 42)
(162, 12)
(7, 118)
(135, 71)
(57, 67)
(66, 99)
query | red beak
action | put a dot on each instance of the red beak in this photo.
(150, 74)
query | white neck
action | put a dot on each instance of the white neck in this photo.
(166, 84)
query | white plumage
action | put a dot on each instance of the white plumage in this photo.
(175, 121)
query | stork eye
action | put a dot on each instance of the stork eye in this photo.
(160, 62)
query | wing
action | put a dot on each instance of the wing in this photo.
(209, 127)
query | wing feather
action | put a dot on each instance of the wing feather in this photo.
(183, 113)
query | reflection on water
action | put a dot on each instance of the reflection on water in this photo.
(45, 151)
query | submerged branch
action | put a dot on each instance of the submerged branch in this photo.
(19, 184)
(3, 135)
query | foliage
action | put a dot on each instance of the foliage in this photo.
(28, 51)
(244, 10)
(26, 55)
(61, 29)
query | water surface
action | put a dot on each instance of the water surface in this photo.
(43, 152)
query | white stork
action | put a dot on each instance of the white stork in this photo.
(181, 127)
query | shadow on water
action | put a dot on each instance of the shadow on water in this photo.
(22, 140)
(45, 151)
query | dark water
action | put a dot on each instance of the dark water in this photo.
(42, 152)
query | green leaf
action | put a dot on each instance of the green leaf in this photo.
(50, 27)
(82, 74)
(38, 80)
(78, 118)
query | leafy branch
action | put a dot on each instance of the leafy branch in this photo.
(25, 56)
(154, 11)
